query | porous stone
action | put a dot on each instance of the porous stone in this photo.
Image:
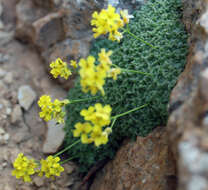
(48, 30)
(144, 164)
(26, 96)
(187, 124)
(54, 137)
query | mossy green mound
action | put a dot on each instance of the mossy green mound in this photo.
(158, 22)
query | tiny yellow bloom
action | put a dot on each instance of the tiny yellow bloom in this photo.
(50, 167)
(59, 68)
(125, 16)
(98, 114)
(114, 72)
(24, 167)
(104, 57)
(52, 110)
(74, 64)
(98, 137)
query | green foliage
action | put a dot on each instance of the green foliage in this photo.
(157, 22)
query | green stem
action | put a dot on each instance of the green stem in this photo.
(67, 148)
(71, 158)
(137, 38)
(114, 120)
(132, 71)
(82, 100)
(125, 113)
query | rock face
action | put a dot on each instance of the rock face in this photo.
(144, 164)
(188, 121)
(26, 96)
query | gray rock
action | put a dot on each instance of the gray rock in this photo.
(2, 73)
(38, 181)
(54, 137)
(26, 96)
(16, 114)
(8, 79)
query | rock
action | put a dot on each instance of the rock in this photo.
(24, 29)
(16, 114)
(5, 37)
(48, 4)
(3, 88)
(21, 135)
(38, 181)
(77, 20)
(48, 30)
(144, 164)
(54, 137)
(8, 79)
(3, 58)
(9, 13)
(69, 168)
(26, 96)
(4, 137)
(2, 73)
(66, 50)
(187, 123)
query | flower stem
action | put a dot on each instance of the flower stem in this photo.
(114, 120)
(125, 113)
(137, 38)
(67, 148)
(132, 71)
(82, 100)
(65, 161)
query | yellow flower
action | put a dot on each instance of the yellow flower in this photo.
(125, 16)
(59, 68)
(104, 57)
(50, 167)
(102, 115)
(98, 137)
(107, 21)
(52, 110)
(74, 64)
(91, 79)
(114, 72)
(44, 101)
(98, 114)
(82, 129)
(24, 167)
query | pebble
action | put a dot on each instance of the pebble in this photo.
(38, 181)
(16, 114)
(2, 73)
(26, 96)
(8, 79)
(54, 137)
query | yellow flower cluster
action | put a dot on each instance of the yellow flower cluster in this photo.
(99, 117)
(24, 167)
(51, 167)
(93, 76)
(108, 21)
(52, 110)
(59, 68)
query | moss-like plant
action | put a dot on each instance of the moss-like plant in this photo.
(157, 22)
